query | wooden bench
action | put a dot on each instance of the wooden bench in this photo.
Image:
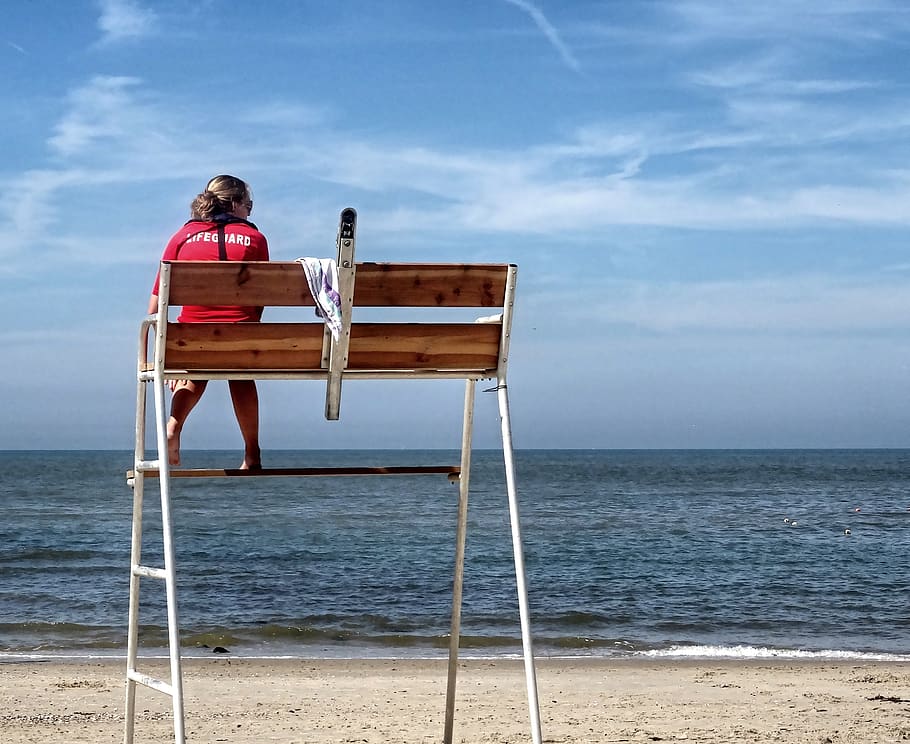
(415, 347)
(297, 350)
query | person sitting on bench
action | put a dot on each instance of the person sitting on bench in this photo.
(218, 231)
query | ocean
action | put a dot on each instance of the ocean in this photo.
(727, 553)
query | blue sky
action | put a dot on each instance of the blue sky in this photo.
(709, 203)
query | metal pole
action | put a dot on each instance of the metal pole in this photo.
(460, 538)
(170, 566)
(132, 645)
(520, 578)
(167, 525)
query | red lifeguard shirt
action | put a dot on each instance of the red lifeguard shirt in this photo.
(197, 240)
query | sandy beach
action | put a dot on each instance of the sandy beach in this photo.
(582, 700)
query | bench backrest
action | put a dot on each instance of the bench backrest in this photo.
(414, 347)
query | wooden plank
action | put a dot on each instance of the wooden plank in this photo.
(430, 285)
(252, 346)
(298, 346)
(250, 283)
(282, 283)
(453, 471)
(463, 346)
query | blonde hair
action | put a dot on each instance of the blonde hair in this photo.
(220, 195)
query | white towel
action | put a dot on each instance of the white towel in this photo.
(322, 278)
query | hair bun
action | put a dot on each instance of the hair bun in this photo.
(219, 196)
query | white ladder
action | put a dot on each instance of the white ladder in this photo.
(174, 687)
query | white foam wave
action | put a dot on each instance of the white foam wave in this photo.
(761, 652)
(672, 652)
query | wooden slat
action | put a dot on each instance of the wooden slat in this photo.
(430, 285)
(298, 346)
(453, 471)
(282, 283)
(467, 346)
(249, 283)
(214, 346)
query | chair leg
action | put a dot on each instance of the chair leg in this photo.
(167, 525)
(524, 612)
(132, 643)
(460, 538)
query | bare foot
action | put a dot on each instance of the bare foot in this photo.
(252, 460)
(173, 441)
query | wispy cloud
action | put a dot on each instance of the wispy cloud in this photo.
(549, 31)
(846, 20)
(16, 47)
(117, 136)
(111, 137)
(122, 20)
(96, 112)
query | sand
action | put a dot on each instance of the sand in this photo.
(582, 700)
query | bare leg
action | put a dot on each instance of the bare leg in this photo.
(246, 408)
(186, 395)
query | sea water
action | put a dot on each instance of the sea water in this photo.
(628, 553)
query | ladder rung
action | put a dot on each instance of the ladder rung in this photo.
(155, 684)
(145, 465)
(148, 571)
(453, 471)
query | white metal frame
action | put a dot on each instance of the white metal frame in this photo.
(158, 377)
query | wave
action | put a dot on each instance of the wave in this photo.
(763, 652)
(705, 654)
(307, 636)
(308, 641)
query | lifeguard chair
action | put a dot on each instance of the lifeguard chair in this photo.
(415, 349)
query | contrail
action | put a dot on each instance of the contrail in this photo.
(549, 31)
